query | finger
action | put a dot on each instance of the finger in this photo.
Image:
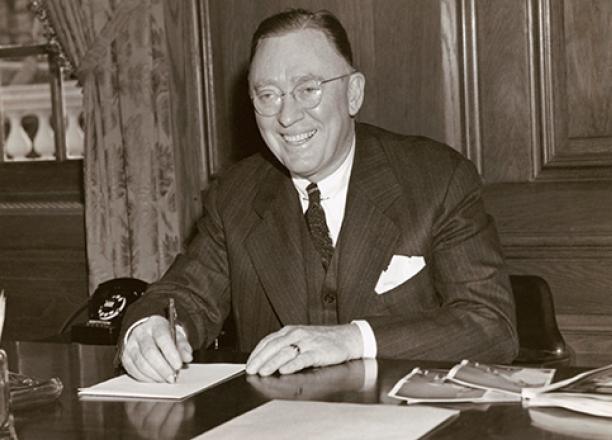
(274, 362)
(272, 339)
(263, 343)
(258, 355)
(304, 360)
(145, 370)
(256, 360)
(127, 353)
(279, 341)
(184, 348)
(134, 360)
(143, 351)
(152, 362)
(131, 369)
(163, 339)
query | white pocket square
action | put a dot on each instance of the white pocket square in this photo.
(400, 269)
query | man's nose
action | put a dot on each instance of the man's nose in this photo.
(290, 112)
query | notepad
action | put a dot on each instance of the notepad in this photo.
(288, 420)
(192, 379)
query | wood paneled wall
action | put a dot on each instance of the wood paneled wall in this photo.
(520, 87)
(545, 120)
(411, 93)
(43, 267)
(188, 111)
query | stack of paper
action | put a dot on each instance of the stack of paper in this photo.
(589, 392)
(290, 420)
(470, 382)
(191, 379)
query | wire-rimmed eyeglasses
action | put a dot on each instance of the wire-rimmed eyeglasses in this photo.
(268, 100)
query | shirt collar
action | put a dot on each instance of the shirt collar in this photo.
(332, 184)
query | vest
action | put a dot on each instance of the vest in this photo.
(321, 286)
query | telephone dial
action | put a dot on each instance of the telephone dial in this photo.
(106, 308)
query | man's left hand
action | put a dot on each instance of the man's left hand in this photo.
(294, 348)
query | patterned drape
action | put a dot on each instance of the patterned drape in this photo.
(119, 48)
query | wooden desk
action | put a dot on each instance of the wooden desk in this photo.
(81, 365)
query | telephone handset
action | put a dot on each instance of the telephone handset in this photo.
(106, 308)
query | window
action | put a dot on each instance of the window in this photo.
(34, 100)
(40, 111)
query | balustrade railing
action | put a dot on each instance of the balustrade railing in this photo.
(28, 133)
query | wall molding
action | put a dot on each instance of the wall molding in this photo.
(542, 245)
(548, 253)
(555, 155)
(209, 149)
(471, 117)
(34, 207)
(596, 324)
(450, 23)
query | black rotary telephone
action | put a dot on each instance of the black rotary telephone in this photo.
(106, 308)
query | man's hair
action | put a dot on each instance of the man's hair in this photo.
(294, 20)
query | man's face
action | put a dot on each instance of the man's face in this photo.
(311, 143)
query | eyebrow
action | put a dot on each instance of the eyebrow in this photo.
(294, 80)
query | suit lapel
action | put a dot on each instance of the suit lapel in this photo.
(274, 246)
(369, 232)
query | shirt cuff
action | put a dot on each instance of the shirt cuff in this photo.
(370, 374)
(369, 341)
(132, 327)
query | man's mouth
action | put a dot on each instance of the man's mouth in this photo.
(299, 138)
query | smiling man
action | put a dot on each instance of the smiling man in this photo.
(348, 242)
(309, 135)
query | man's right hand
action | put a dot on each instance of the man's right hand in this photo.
(149, 354)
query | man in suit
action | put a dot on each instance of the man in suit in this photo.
(389, 255)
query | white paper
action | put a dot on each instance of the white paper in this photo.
(588, 392)
(191, 379)
(291, 420)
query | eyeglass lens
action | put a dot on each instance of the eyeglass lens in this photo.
(268, 102)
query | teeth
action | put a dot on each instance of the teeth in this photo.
(301, 137)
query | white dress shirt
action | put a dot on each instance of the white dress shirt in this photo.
(334, 189)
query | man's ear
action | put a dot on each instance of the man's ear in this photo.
(355, 92)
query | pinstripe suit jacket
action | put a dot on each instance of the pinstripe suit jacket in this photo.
(407, 196)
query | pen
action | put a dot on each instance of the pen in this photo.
(172, 319)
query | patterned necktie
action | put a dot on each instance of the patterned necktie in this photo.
(315, 217)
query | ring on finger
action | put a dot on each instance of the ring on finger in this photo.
(297, 349)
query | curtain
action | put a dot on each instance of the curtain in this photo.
(119, 50)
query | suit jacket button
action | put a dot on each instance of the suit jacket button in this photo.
(329, 298)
